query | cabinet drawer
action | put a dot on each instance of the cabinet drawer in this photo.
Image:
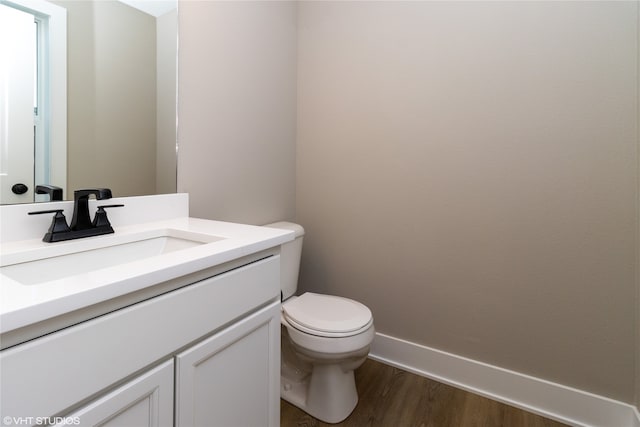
(55, 373)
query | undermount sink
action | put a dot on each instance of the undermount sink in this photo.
(146, 245)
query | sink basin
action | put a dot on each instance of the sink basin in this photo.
(144, 246)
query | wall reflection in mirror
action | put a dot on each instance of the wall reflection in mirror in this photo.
(118, 128)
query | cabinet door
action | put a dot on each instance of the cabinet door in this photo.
(232, 379)
(144, 401)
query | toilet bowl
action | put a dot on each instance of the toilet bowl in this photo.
(324, 339)
(318, 361)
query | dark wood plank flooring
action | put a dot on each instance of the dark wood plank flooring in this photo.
(391, 397)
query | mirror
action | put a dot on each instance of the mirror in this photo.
(121, 98)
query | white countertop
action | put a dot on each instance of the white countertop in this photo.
(22, 305)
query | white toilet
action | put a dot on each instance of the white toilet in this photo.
(324, 338)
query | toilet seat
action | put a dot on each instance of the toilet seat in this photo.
(327, 315)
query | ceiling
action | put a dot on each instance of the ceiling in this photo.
(152, 7)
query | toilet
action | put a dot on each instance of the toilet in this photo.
(324, 339)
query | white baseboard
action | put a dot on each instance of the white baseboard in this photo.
(551, 400)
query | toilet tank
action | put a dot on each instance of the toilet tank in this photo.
(289, 258)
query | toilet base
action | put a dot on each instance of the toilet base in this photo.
(325, 388)
(328, 394)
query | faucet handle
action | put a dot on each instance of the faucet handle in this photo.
(100, 219)
(58, 224)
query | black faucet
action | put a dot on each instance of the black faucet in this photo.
(81, 224)
(81, 219)
(55, 193)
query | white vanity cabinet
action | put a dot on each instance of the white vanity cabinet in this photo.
(218, 337)
(147, 400)
(231, 379)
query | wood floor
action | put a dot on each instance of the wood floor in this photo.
(391, 397)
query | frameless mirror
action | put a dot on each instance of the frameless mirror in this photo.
(119, 124)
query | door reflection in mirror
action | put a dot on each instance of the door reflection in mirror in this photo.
(19, 96)
(33, 94)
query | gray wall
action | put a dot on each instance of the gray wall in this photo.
(111, 98)
(166, 51)
(637, 323)
(237, 86)
(469, 171)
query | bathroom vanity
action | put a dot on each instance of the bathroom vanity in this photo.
(187, 336)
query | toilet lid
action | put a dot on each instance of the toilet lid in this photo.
(327, 314)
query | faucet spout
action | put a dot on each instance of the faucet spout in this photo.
(55, 193)
(81, 219)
